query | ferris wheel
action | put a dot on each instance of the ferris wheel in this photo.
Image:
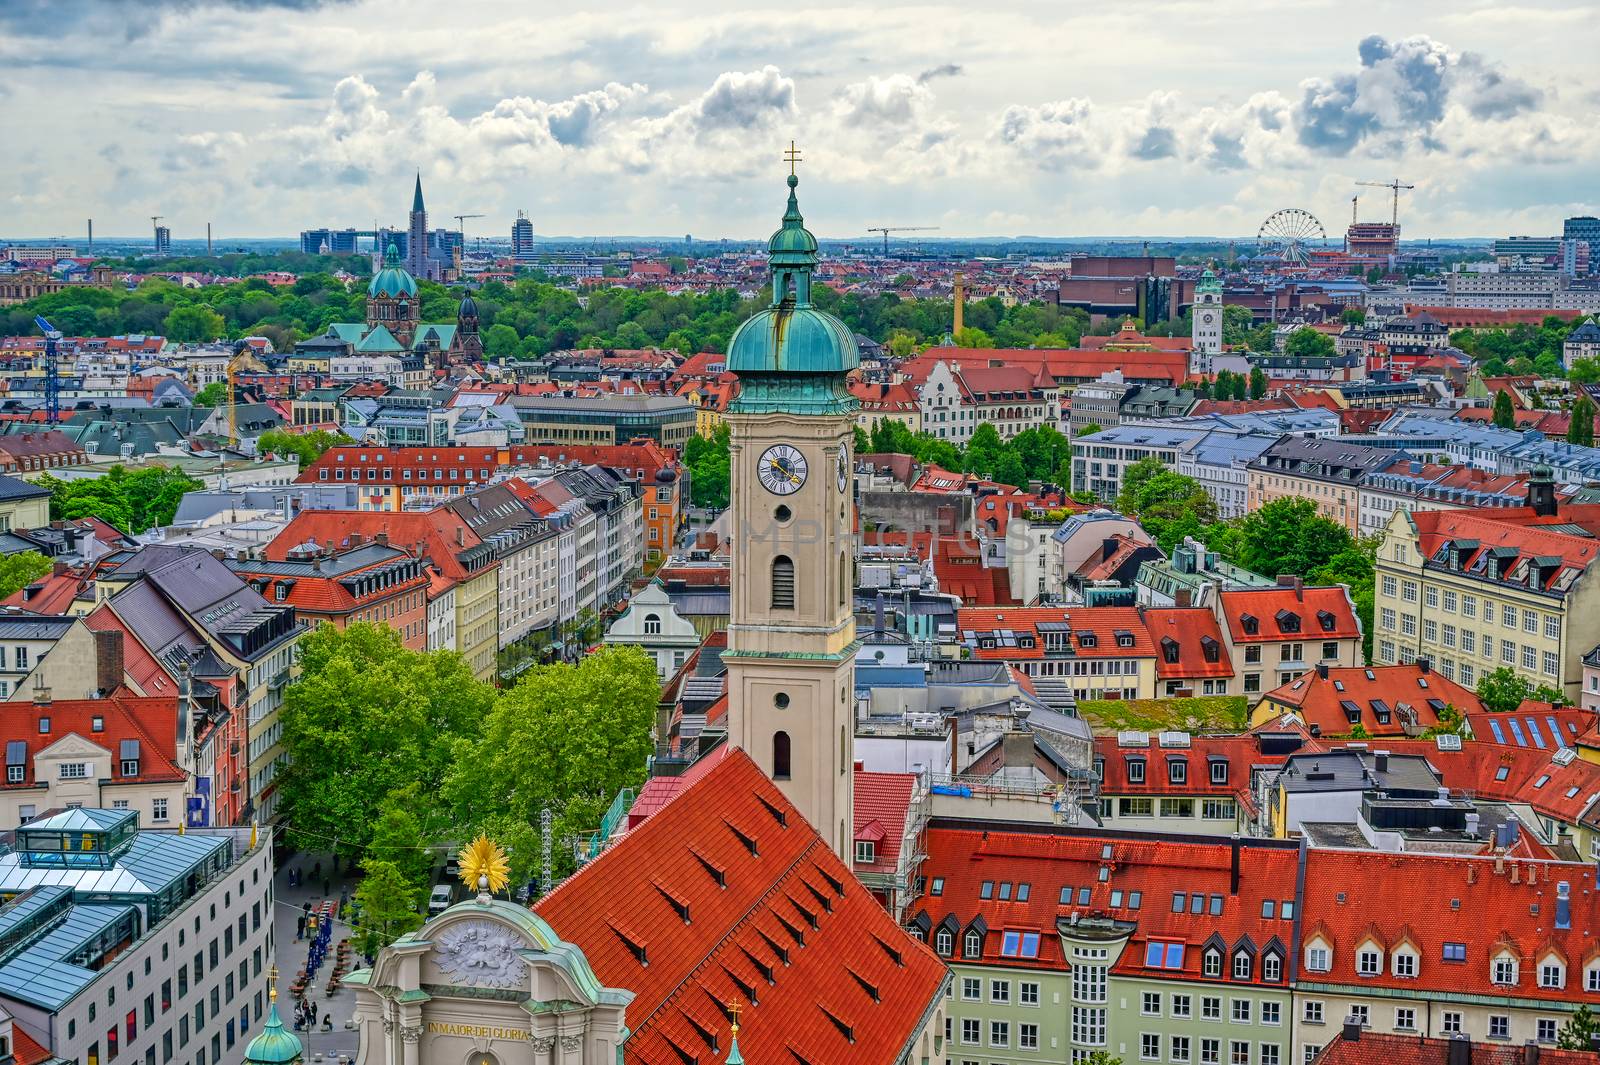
(1286, 235)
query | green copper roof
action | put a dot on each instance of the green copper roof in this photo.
(379, 342)
(793, 238)
(392, 280)
(276, 1045)
(1208, 282)
(792, 356)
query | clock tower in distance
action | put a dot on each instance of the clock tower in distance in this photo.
(791, 632)
(1207, 324)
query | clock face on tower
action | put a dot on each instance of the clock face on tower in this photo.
(1208, 318)
(782, 469)
(844, 471)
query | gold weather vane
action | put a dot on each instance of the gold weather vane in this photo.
(272, 983)
(792, 156)
(484, 865)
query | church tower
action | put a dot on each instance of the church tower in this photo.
(467, 338)
(791, 633)
(392, 300)
(1206, 330)
(418, 261)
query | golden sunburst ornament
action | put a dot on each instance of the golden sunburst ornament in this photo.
(484, 865)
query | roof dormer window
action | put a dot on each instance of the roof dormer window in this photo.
(1249, 624)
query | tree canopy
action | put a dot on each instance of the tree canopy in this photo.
(710, 465)
(1169, 505)
(132, 502)
(1306, 342)
(307, 447)
(21, 569)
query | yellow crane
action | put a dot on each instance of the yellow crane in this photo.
(241, 351)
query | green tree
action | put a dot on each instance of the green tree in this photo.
(399, 836)
(133, 502)
(1580, 430)
(213, 395)
(968, 337)
(194, 323)
(859, 441)
(1584, 371)
(1091, 427)
(1307, 342)
(709, 463)
(1503, 414)
(1353, 566)
(360, 691)
(387, 903)
(1580, 1030)
(983, 450)
(1353, 316)
(1502, 690)
(1289, 536)
(567, 737)
(500, 341)
(1258, 382)
(1236, 322)
(1169, 505)
(19, 570)
(1358, 731)
(307, 447)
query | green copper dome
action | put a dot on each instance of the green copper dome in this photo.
(276, 1045)
(1208, 282)
(790, 356)
(392, 280)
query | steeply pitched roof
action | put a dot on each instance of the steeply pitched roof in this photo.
(1270, 607)
(1372, 696)
(725, 894)
(882, 803)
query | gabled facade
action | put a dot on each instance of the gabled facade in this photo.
(1276, 634)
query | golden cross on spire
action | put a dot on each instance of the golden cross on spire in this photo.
(272, 983)
(792, 156)
(734, 1009)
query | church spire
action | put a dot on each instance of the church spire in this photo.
(416, 197)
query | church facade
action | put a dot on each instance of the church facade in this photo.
(487, 982)
(394, 325)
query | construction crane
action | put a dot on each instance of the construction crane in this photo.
(241, 351)
(886, 230)
(1395, 186)
(461, 226)
(52, 370)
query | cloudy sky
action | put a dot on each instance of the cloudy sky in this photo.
(1142, 117)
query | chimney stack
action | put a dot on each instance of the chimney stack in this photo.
(1352, 1031)
(1380, 761)
(41, 694)
(1233, 876)
(1460, 1050)
(1530, 1053)
(108, 661)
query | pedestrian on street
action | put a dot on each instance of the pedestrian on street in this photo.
(300, 928)
(326, 885)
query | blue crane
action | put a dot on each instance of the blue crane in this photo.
(52, 371)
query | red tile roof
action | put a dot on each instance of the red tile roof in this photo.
(1489, 904)
(1519, 529)
(1373, 692)
(26, 1049)
(1062, 872)
(438, 534)
(1239, 753)
(882, 802)
(1104, 622)
(725, 894)
(151, 721)
(1193, 631)
(1309, 603)
(1380, 1048)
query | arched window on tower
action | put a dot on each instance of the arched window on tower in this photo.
(780, 756)
(783, 583)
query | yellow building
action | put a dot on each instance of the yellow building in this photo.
(22, 505)
(1473, 590)
(1328, 472)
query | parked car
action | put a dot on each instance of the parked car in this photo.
(439, 901)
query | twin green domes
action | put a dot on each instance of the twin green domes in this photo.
(792, 357)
